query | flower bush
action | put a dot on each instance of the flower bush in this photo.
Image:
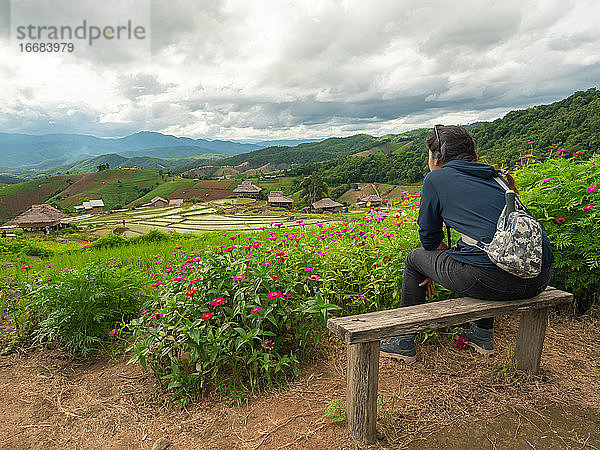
(563, 195)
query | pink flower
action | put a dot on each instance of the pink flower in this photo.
(461, 342)
(274, 294)
(178, 247)
(178, 278)
(255, 310)
(115, 331)
(26, 267)
(308, 269)
(218, 301)
(229, 249)
(155, 284)
(531, 142)
(144, 312)
(49, 265)
(592, 189)
(588, 207)
(239, 277)
(313, 277)
(206, 316)
(274, 277)
(191, 293)
(548, 179)
(560, 220)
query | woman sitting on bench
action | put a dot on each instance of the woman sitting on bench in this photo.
(462, 193)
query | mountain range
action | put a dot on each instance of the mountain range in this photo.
(52, 150)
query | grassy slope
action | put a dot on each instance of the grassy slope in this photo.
(16, 198)
(166, 189)
(105, 185)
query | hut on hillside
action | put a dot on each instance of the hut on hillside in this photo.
(38, 217)
(92, 206)
(326, 205)
(157, 202)
(246, 189)
(276, 198)
(176, 202)
(370, 200)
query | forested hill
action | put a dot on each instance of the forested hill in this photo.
(572, 123)
(304, 153)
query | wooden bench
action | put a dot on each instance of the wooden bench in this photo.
(362, 334)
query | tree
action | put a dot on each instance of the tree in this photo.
(101, 167)
(313, 188)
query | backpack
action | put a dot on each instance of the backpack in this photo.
(517, 243)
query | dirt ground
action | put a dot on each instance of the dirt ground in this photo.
(451, 399)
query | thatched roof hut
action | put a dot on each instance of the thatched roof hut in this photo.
(246, 189)
(326, 204)
(39, 216)
(276, 198)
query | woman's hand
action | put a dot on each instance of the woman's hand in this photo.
(443, 246)
(430, 286)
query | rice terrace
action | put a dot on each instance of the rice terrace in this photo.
(247, 228)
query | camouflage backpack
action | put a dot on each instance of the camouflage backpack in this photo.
(517, 244)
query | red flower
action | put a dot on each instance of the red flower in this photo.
(206, 316)
(560, 220)
(191, 293)
(461, 342)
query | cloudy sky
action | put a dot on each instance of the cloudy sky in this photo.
(270, 69)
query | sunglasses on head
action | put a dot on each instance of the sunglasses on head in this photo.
(437, 135)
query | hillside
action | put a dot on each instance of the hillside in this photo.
(572, 123)
(116, 187)
(17, 198)
(303, 153)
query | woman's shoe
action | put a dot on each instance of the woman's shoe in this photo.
(480, 339)
(402, 348)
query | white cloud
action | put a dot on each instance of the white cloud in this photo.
(291, 69)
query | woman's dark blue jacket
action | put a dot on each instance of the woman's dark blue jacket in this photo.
(464, 195)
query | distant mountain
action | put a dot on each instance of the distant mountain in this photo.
(50, 150)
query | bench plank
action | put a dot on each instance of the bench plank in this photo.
(411, 319)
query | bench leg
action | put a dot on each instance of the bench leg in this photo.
(361, 390)
(532, 330)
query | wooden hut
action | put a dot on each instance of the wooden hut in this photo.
(38, 217)
(157, 202)
(246, 189)
(176, 202)
(276, 198)
(370, 200)
(92, 206)
(326, 205)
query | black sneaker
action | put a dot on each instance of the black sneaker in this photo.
(480, 339)
(402, 348)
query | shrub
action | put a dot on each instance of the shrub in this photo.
(108, 241)
(152, 236)
(78, 308)
(564, 195)
(31, 249)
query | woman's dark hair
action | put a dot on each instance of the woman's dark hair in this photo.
(454, 142)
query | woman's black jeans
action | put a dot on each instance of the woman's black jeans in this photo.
(465, 280)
